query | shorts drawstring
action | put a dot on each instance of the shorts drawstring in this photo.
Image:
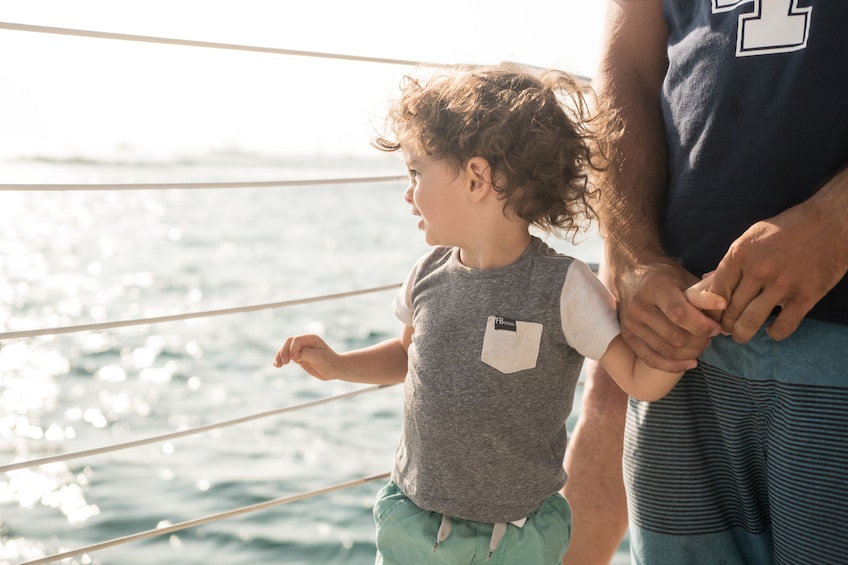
(497, 534)
(444, 531)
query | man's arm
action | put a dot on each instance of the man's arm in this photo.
(657, 321)
(595, 487)
(629, 78)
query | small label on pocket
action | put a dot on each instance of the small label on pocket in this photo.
(502, 323)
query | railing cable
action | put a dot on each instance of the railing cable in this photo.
(216, 45)
(189, 315)
(204, 520)
(183, 433)
(196, 185)
(580, 78)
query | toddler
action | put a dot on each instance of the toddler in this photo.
(496, 323)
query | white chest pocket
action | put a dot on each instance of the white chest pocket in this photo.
(514, 349)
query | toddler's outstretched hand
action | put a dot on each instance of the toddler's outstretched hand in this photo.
(312, 354)
(700, 297)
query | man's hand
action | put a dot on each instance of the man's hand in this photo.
(658, 321)
(791, 260)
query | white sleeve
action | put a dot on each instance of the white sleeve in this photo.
(588, 312)
(402, 304)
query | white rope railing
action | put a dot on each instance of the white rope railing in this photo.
(204, 520)
(184, 433)
(197, 185)
(579, 78)
(216, 45)
(189, 315)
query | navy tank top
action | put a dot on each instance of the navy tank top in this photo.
(756, 110)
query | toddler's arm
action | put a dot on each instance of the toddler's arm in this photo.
(383, 363)
(632, 374)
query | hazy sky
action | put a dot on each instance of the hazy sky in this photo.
(72, 96)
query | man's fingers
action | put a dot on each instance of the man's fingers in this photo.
(786, 322)
(662, 344)
(754, 316)
(724, 282)
(682, 323)
(740, 310)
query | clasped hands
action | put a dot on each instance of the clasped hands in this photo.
(787, 262)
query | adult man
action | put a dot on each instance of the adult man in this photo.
(735, 160)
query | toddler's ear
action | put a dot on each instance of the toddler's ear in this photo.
(479, 174)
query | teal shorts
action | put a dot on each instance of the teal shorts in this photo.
(406, 535)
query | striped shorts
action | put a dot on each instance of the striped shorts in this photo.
(746, 460)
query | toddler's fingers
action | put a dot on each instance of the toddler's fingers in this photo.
(703, 299)
(283, 354)
(297, 346)
(712, 301)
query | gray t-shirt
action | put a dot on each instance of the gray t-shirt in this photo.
(493, 366)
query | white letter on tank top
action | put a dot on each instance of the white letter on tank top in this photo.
(774, 26)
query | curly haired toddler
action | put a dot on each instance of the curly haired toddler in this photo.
(496, 323)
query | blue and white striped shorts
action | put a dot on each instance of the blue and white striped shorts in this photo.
(746, 461)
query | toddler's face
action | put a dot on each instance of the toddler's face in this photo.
(436, 194)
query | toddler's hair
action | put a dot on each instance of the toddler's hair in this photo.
(543, 150)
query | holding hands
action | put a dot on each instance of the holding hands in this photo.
(661, 311)
(788, 261)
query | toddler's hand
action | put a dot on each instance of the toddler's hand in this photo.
(700, 297)
(310, 352)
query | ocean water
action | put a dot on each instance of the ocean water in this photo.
(69, 258)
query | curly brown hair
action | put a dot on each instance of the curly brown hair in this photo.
(543, 149)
